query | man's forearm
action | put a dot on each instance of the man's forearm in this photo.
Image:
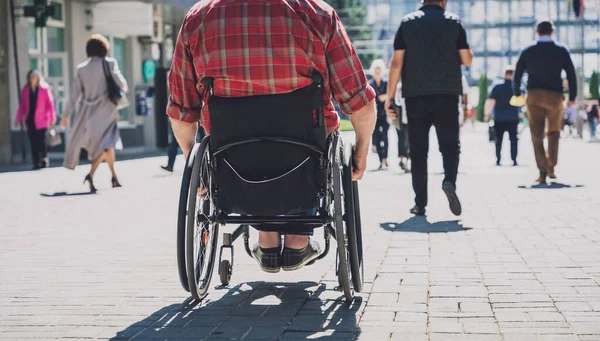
(363, 122)
(185, 133)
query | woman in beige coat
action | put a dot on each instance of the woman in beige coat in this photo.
(95, 127)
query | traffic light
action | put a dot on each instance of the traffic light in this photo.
(40, 10)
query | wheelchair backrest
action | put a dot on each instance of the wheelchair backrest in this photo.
(268, 151)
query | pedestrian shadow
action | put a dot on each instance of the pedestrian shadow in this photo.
(422, 225)
(253, 311)
(65, 194)
(552, 185)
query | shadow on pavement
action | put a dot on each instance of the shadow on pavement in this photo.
(552, 185)
(65, 194)
(254, 311)
(422, 225)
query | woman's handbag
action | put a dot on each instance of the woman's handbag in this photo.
(53, 138)
(115, 94)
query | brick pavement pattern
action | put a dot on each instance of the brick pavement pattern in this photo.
(521, 264)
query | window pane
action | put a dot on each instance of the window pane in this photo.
(32, 36)
(58, 11)
(55, 67)
(56, 39)
(33, 63)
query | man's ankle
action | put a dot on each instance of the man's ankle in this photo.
(296, 242)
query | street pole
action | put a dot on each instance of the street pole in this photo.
(17, 73)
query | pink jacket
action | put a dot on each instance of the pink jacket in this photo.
(45, 114)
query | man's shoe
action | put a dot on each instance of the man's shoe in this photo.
(498, 163)
(418, 211)
(450, 190)
(167, 168)
(515, 163)
(294, 259)
(541, 179)
(269, 260)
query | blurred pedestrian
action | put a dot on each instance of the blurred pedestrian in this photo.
(402, 130)
(506, 116)
(593, 120)
(463, 102)
(544, 61)
(380, 135)
(95, 127)
(430, 46)
(37, 109)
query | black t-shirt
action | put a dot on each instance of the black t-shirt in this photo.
(32, 106)
(461, 42)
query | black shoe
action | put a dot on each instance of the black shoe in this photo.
(294, 259)
(167, 168)
(44, 163)
(90, 182)
(418, 211)
(115, 182)
(269, 260)
(515, 163)
(498, 163)
(450, 190)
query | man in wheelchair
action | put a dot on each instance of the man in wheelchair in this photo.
(241, 49)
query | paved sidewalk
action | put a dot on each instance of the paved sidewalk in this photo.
(522, 263)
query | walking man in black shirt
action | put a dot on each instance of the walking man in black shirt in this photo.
(544, 61)
(430, 46)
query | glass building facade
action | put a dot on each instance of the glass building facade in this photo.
(497, 30)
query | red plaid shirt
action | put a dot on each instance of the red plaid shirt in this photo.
(259, 47)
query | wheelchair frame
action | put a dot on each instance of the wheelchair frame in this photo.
(339, 214)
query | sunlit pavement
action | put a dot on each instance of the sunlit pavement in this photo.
(522, 263)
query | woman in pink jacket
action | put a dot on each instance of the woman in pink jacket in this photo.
(37, 110)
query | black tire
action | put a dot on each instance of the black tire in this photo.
(338, 222)
(201, 234)
(182, 216)
(225, 270)
(352, 220)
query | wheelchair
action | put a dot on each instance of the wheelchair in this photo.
(267, 162)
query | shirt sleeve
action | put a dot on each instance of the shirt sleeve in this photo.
(347, 79)
(185, 102)
(461, 42)
(399, 43)
(494, 92)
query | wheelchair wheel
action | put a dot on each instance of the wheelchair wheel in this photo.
(182, 215)
(352, 220)
(201, 233)
(225, 270)
(343, 269)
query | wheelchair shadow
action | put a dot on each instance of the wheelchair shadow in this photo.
(552, 185)
(253, 311)
(65, 194)
(422, 225)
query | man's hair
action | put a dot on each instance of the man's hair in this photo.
(431, 2)
(509, 71)
(545, 27)
(97, 46)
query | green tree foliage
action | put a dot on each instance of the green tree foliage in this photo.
(594, 91)
(483, 94)
(353, 14)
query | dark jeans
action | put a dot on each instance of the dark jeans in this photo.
(37, 139)
(511, 127)
(403, 144)
(380, 137)
(423, 112)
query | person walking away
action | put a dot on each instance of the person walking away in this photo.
(544, 61)
(95, 127)
(506, 116)
(306, 36)
(402, 130)
(37, 109)
(430, 46)
(593, 120)
(463, 103)
(380, 135)
(173, 148)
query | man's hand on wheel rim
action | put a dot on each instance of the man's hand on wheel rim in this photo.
(359, 164)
